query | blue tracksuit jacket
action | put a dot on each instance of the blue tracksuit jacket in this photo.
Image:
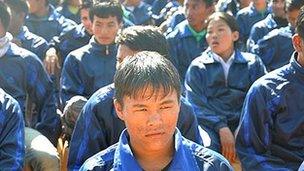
(188, 156)
(32, 42)
(260, 29)
(275, 48)
(11, 133)
(22, 74)
(246, 18)
(271, 131)
(87, 69)
(53, 25)
(99, 127)
(218, 103)
(142, 14)
(64, 10)
(183, 47)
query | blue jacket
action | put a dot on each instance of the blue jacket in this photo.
(177, 17)
(142, 14)
(188, 156)
(218, 103)
(64, 10)
(53, 25)
(260, 29)
(87, 69)
(22, 74)
(246, 18)
(99, 127)
(160, 8)
(11, 133)
(183, 47)
(32, 42)
(271, 131)
(275, 48)
(71, 40)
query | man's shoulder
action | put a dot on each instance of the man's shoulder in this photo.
(103, 160)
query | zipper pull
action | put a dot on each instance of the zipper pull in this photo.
(107, 50)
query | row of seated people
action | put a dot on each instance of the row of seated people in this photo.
(84, 71)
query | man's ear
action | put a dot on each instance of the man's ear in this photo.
(297, 42)
(118, 109)
(235, 35)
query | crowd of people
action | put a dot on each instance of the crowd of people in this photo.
(152, 85)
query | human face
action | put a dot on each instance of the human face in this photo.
(122, 52)
(17, 20)
(278, 8)
(85, 20)
(220, 38)
(196, 13)
(105, 29)
(150, 118)
(34, 6)
(292, 17)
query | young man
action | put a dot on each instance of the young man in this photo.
(22, 36)
(93, 66)
(276, 19)
(188, 41)
(22, 76)
(271, 130)
(276, 47)
(140, 10)
(147, 99)
(98, 125)
(44, 21)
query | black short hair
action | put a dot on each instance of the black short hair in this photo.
(143, 70)
(107, 9)
(300, 24)
(291, 5)
(18, 5)
(143, 38)
(86, 4)
(5, 15)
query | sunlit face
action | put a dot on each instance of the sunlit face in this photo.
(85, 20)
(122, 52)
(220, 38)
(196, 12)
(105, 29)
(17, 20)
(278, 8)
(292, 17)
(34, 6)
(150, 118)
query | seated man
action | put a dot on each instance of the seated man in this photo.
(12, 133)
(275, 48)
(22, 76)
(98, 126)
(271, 131)
(147, 99)
(91, 67)
(22, 36)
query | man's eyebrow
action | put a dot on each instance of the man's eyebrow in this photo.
(167, 102)
(139, 105)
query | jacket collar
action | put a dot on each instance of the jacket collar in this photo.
(124, 158)
(269, 21)
(184, 29)
(207, 57)
(103, 49)
(294, 63)
(80, 31)
(53, 15)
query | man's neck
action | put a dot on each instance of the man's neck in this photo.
(154, 160)
(300, 59)
(198, 28)
(260, 6)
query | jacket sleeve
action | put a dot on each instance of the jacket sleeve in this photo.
(258, 69)
(88, 137)
(253, 138)
(71, 83)
(12, 135)
(41, 92)
(187, 123)
(254, 36)
(265, 49)
(205, 113)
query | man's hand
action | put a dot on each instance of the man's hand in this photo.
(227, 144)
(51, 61)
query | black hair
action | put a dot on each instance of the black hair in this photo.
(107, 9)
(143, 38)
(228, 19)
(86, 4)
(291, 5)
(145, 70)
(5, 15)
(300, 24)
(18, 6)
